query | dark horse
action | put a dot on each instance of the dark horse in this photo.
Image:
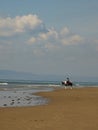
(67, 83)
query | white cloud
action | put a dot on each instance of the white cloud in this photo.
(32, 40)
(53, 38)
(45, 36)
(10, 26)
(51, 33)
(64, 31)
(74, 39)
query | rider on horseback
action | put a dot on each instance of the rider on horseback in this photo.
(67, 81)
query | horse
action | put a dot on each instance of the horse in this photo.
(65, 83)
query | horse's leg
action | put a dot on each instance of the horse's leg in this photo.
(71, 85)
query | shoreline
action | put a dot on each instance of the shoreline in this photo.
(75, 109)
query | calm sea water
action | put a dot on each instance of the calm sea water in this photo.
(17, 93)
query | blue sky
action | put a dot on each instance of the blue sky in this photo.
(49, 36)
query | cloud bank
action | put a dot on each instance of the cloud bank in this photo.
(20, 24)
(34, 32)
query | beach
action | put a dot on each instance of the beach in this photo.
(70, 109)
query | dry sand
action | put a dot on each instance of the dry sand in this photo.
(75, 109)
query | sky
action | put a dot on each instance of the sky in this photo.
(49, 36)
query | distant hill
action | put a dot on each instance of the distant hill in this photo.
(9, 74)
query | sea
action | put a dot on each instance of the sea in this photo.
(21, 93)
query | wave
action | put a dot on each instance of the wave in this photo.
(3, 83)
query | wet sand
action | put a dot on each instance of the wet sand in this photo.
(75, 109)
